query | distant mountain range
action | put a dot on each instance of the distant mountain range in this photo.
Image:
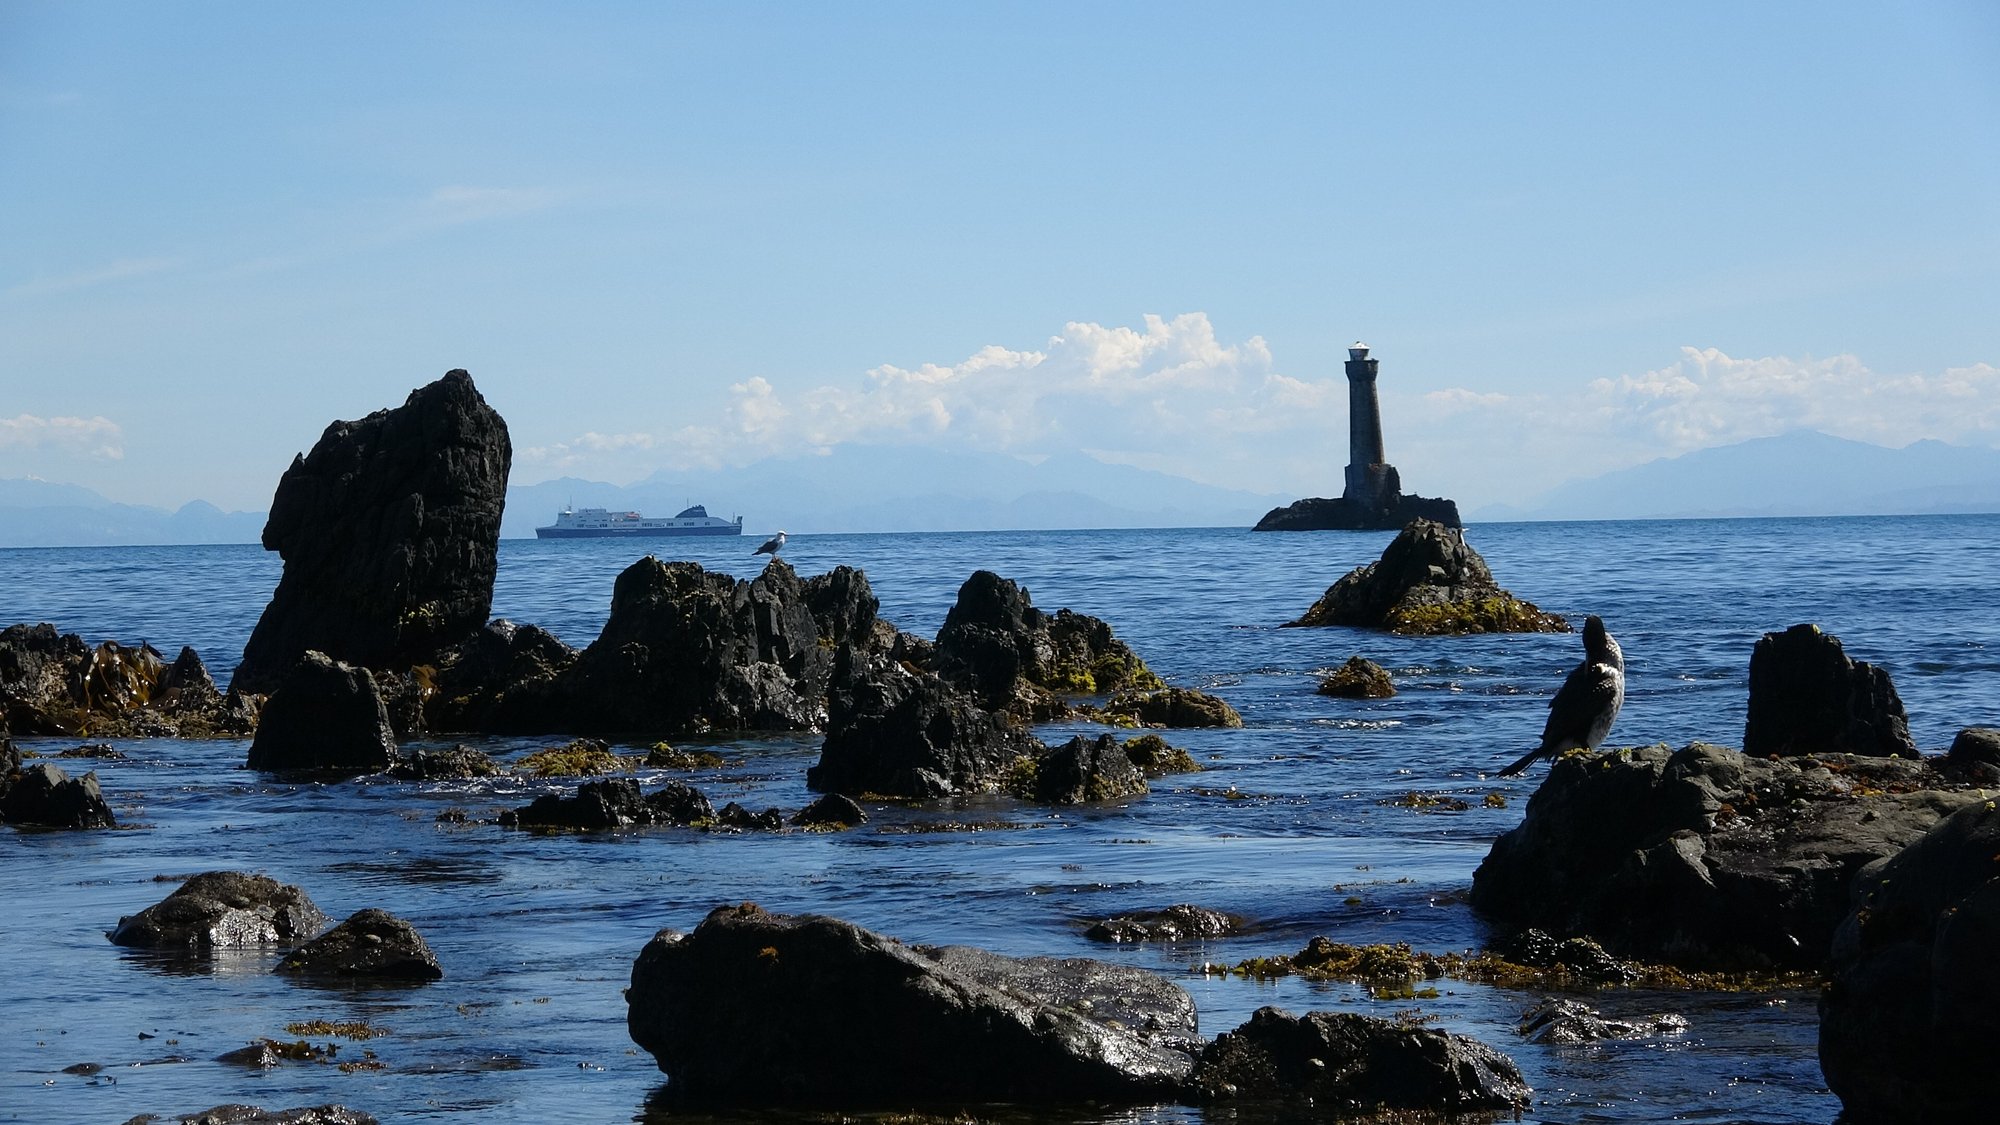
(1802, 473)
(884, 488)
(37, 513)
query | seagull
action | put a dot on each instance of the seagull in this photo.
(1582, 712)
(771, 545)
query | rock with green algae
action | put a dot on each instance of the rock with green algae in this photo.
(582, 757)
(1429, 581)
(1155, 758)
(1172, 707)
(1015, 658)
(1080, 771)
(1359, 678)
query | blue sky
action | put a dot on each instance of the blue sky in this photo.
(1578, 237)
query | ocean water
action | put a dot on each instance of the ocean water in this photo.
(537, 934)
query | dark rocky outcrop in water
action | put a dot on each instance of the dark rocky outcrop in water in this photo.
(1704, 857)
(371, 945)
(453, 763)
(1339, 513)
(54, 683)
(1807, 696)
(325, 715)
(1013, 657)
(1359, 678)
(1912, 1008)
(43, 796)
(1172, 707)
(1974, 758)
(895, 732)
(830, 811)
(237, 1114)
(1428, 581)
(1343, 1064)
(1182, 922)
(613, 803)
(1080, 771)
(390, 532)
(223, 910)
(757, 1009)
(506, 678)
(1569, 1022)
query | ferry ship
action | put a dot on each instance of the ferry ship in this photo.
(600, 523)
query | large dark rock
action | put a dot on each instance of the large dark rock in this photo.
(1911, 1010)
(390, 532)
(1340, 513)
(1428, 581)
(223, 910)
(613, 803)
(830, 811)
(898, 733)
(53, 683)
(1807, 696)
(1345, 1064)
(1080, 771)
(1974, 757)
(43, 796)
(1705, 857)
(758, 1009)
(506, 678)
(1015, 658)
(324, 716)
(370, 945)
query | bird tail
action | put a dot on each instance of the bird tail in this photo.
(1526, 760)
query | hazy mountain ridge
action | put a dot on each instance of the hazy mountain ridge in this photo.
(37, 513)
(1802, 473)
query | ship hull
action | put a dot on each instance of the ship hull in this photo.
(633, 532)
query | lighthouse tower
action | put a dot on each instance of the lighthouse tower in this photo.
(1372, 483)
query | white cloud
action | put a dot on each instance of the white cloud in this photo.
(122, 270)
(584, 449)
(98, 438)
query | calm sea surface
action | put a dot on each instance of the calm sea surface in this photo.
(537, 934)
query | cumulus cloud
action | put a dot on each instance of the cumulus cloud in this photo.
(95, 437)
(584, 449)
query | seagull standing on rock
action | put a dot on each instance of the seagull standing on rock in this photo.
(772, 545)
(1582, 712)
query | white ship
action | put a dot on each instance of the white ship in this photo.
(602, 523)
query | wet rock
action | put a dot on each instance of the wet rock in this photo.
(613, 803)
(37, 666)
(55, 684)
(98, 751)
(1579, 957)
(1015, 658)
(756, 1009)
(324, 716)
(453, 763)
(1568, 1022)
(370, 945)
(581, 757)
(506, 678)
(899, 733)
(1351, 1064)
(1912, 1003)
(1428, 581)
(223, 910)
(43, 796)
(1706, 858)
(1080, 771)
(1155, 758)
(390, 532)
(186, 686)
(832, 810)
(252, 1115)
(1172, 707)
(1359, 678)
(1807, 696)
(1183, 922)
(733, 815)
(1974, 758)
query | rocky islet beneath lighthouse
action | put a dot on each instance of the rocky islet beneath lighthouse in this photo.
(1373, 499)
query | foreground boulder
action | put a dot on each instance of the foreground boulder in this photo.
(371, 945)
(390, 532)
(757, 1009)
(1912, 1007)
(1428, 581)
(1704, 857)
(325, 716)
(895, 732)
(1015, 658)
(1974, 757)
(1344, 1064)
(1807, 696)
(43, 796)
(223, 910)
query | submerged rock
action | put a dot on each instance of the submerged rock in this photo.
(1359, 678)
(326, 715)
(223, 910)
(1428, 581)
(453, 763)
(1912, 1004)
(756, 1009)
(1345, 1064)
(43, 796)
(899, 733)
(1573, 1021)
(1704, 857)
(1172, 707)
(832, 810)
(613, 803)
(1182, 922)
(372, 945)
(1807, 696)
(234, 1114)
